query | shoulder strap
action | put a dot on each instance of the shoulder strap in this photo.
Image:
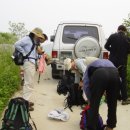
(33, 45)
(33, 122)
(11, 110)
(26, 115)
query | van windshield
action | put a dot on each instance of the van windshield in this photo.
(72, 33)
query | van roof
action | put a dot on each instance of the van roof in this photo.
(80, 22)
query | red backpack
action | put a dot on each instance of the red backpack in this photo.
(83, 121)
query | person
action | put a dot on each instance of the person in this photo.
(24, 45)
(101, 76)
(78, 66)
(119, 46)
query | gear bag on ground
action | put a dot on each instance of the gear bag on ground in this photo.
(16, 116)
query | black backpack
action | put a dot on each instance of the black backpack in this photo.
(65, 82)
(74, 96)
(18, 57)
(16, 116)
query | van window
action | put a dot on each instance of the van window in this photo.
(72, 33)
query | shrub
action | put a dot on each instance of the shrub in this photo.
(9, 77)
(128, 75)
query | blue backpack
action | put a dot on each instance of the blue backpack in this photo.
(83, 121)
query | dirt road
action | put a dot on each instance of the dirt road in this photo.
(47, 99)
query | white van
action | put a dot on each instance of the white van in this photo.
(76, 40)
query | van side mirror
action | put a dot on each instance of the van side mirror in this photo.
(52, 38)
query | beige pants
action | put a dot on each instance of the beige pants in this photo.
(29, 72)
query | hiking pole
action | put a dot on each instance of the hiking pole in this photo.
(39, 78)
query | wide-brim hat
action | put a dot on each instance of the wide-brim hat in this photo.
(89, 60)
(67, 63)
(39, 33)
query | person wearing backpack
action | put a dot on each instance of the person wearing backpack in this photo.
(31, 43)
(101, 76)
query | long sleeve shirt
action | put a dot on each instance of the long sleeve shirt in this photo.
(119, 46)
(98, 63)
(81, 67)
(24, 46)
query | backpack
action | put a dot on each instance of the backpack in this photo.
(65, 82)
(16, 116)
(18, 57)
(83, 121)
(74, 96)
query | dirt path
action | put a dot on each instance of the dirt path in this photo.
(46, 99)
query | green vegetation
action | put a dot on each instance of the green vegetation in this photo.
(9, 72)
(7, 38)
(127, 24)
(9, 78)
(128, 75)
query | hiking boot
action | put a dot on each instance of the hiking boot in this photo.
(31, 104)
(125, 102)
(31, 108)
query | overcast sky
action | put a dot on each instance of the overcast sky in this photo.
(46, 14)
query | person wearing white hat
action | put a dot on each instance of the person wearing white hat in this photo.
(24, 45)
(78, 66)
(101, 76)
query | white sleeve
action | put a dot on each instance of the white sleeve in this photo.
(19, 46)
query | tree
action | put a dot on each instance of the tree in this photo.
(127, 24)
(18, 29)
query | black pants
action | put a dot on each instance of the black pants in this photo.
(123, 85)
(101, 80)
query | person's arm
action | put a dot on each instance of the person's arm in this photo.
(77, 78)
(19, 45)
(108, 43)
(39, 50)
(80, 65)
(86, 88)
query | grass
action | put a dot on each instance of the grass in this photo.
(9, 78)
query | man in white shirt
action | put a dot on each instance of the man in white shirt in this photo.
(24, 45)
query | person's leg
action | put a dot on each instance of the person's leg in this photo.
(97, 88)
(111, 93)
(123, 87)
(29, 72)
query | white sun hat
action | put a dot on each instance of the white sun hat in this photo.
(89, 60)
(67, 63)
